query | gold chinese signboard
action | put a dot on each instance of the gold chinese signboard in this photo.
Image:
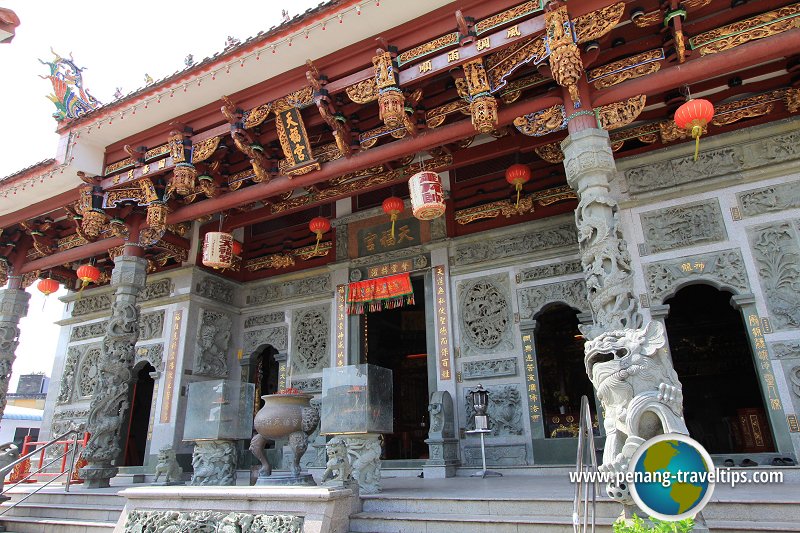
(172, 357)
(378, 239)
(397, 267)
(341, 307)
(442, 325)
(294, 141)
(764, 365)
(532, 385)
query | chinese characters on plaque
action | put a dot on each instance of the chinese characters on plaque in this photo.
(442, 326)
(294, 141)
(282, 375)
(534, 402)
(378, 239)
(398, 267)
(757, 328)
(172, 356)
(340, 324)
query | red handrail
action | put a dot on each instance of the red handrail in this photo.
(24, 468)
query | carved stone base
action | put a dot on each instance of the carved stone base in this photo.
(303, 480)
(214, 462)
(365, 457)
(98, 476)
(443, 460)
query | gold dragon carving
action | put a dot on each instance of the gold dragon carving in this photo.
(620, 114)
(751, 29)
(626, 69)
(362, 92)
(542, 122)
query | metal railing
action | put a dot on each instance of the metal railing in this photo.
(582, 519)
(70, 446)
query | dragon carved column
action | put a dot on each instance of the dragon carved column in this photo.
(110, 403)
(627, 362)
(13, 306)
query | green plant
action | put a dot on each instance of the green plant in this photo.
(638, 525)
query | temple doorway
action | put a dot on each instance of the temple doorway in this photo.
(722, 401)
(264, 374)
(396, 339)
(562, 383)
(139, 417)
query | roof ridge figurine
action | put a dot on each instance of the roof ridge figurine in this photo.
(70, 98)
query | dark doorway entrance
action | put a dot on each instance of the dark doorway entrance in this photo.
(722, 401)
(562, 374)
(139, 422)
(395, 339)
(264, 375)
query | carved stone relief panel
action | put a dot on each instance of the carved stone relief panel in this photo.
(208, 521)
(262, 320)
(156, 289)
(683, 225)
(485, 315)
(341, 242)
(309, 386)
(151, 325)
(516, 244)
(533, 299)
(68, 374)
(211, 347)
(153, 353)
(88, 331)
(277, 337)
(311, 329)
(214, 289)
(92, 304)
(89, 374)
(489, 368)
(724, 269)
(785, 349)
(549, 271)
(777, 255)
(504, 411)
(769, 199)
(725, 161)
(497, 455)
(276, 292)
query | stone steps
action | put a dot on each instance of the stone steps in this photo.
(52, 511)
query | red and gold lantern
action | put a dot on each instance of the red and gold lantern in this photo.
(427, 195)
(319, 225)
(393, 206)
(218, 249)
(693, 115)
(237, 248)
(518, 175)
(47, 286)
(183, 179)
(88, 274)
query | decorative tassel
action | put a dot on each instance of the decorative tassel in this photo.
(319, 238)
(697, 131)
(519, 189)
(394, 219)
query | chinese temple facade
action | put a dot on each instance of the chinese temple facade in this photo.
(616, 226)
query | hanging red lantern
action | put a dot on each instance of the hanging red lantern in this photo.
(393, 206)
(218, 249)
(47, 286)
(693, 115)
(427, 195)
(518, 175)
(88, 274)
(237, 248)
(319, 225)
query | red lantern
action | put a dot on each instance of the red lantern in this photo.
(237, 248)
(393, 206)
(47, 286)
(693, 116)
(319, 225)
(88, 274)
(427, 195)
(518, 175)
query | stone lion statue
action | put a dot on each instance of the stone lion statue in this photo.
(168, 465)
(338, 467)
(634, 379)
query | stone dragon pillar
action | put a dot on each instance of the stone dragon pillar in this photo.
(110, 403)
(13, 306)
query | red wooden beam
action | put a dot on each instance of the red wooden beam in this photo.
(705, 67)
(361, 160)
(73, 254)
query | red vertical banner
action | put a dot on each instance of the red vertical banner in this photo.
(442, 324)
(341, 306)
